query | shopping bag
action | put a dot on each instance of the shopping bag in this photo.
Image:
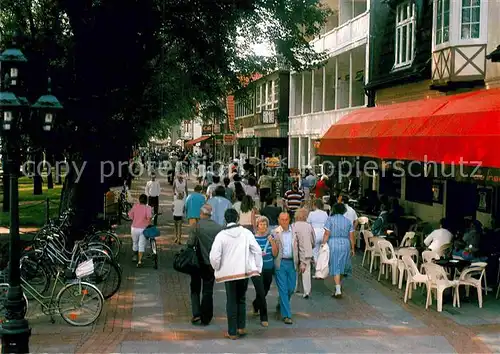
(322, 268)
(186, 261)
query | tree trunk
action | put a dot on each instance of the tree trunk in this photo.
(58, 158)
(50, 179)
(5, 183)
(83, 194)
(37, 178)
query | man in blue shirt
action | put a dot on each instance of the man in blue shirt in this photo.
(194, 202)
(287, 263)
(219, 205)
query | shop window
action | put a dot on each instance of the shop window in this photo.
(390, 185)
(420, 190)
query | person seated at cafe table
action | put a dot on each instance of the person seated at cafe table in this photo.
(439, 237)
(380, 225)
(472, 236)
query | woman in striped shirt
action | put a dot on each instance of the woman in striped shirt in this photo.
(263, 282)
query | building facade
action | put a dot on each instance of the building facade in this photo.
(261, 117)
(321, 97)
(428, 61)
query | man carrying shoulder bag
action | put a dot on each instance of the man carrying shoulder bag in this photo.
(202, 237)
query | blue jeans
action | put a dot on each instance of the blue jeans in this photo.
(286, 279)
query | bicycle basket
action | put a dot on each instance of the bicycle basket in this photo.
(151, 232)
(85, 268)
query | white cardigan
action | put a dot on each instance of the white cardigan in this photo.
(235, 254)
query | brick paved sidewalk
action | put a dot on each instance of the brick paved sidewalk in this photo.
(151, 314)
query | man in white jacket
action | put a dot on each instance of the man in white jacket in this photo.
(235, 256)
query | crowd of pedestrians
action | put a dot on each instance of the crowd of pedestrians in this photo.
(241, 234)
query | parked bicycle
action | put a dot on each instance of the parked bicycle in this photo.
(39, 266)
(92, 235)
(71, 302)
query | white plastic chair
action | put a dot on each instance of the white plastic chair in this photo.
(363, 224)
(388, 258)
(369, 247)
(375, 252)
(467, 278)
(414, 277)
(408, 252)
(407, 239)
(427, 257)
(438, 281)
(442, 250)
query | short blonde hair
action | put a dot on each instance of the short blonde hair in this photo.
(301, 214)
(263, 219)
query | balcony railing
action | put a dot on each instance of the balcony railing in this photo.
(316, 124)
(346, 34)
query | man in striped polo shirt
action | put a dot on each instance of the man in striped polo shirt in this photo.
(293, 199)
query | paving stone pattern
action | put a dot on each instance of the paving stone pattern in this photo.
(151, 314)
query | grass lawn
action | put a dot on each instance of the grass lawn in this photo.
(32, 207)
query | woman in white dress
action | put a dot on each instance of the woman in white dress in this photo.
(317, 218)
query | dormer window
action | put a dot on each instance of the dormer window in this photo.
(405, 34)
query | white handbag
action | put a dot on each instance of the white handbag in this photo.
(322, 266)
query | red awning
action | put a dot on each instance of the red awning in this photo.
(197, 140)
(464, 127)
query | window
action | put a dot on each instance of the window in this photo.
(390, 185)
(259, 98)
(442, 21)
(471, 12)
(405, 34)
(243, 109)
(276, 90)
(419, 189)
(269, 95)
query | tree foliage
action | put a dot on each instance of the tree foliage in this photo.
(126, 69)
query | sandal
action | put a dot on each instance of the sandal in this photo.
(242, 332)
(288, 321)
(264, 324)
(228, 336)
(139, 265)
(195, 320)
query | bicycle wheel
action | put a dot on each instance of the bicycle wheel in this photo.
(101, 246)
(34, 272)
(155, 254)
(4, 289)
(107, 277)
(80, 303)
(110, 239)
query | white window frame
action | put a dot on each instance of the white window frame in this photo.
(275, 96)
(259, 99)
(269, 94)
(470, 23)
(442, 28)
(405, 25)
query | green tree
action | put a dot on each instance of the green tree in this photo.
(124, 69)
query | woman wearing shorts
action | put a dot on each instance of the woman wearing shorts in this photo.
(141, 218)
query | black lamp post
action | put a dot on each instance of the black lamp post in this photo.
(15, 112)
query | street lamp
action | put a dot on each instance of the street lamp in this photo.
(14, 111)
